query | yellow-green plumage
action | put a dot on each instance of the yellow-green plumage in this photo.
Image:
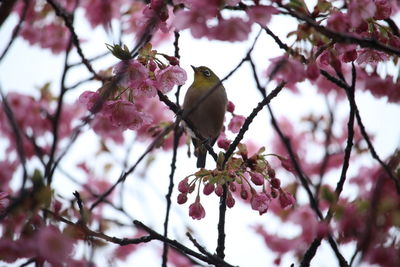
(208, 116)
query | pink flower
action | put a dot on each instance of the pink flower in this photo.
(54, 246)
(169, 77)
(383, 9)
(339, 22)
(371, 56)
(7, 170)
(102, 126)
(261, 14)
(100, 12)
(231, 30)
(196, 210)
(9, 250)
(223, 142)
(177, 259)
(89, 99)
(312, 71)
(286, 69)
(260, 202)
(236, 123)
(285, 199)
(124, 114)
(132, 72)
(147, 88)
(277, 244)
(360, 10)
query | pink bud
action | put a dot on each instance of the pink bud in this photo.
(223, 143)
(230, 201)
(219, 190)
(275, 183)
(274, 193)
(243, 193)
(232, 187)
(208, 189)
(196, 210)
(152, 65)
(182, 198)
(257, 178)
(183, 185)
(230, 107)
(271, 172)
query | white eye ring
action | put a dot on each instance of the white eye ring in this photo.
(207, 73)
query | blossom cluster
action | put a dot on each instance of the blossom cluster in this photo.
(250, 178)
(128, 100)
(205, 19)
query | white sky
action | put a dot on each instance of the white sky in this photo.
(26, 68)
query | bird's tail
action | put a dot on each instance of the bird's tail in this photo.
(201, 156)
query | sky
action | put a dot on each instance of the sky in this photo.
(26, 68)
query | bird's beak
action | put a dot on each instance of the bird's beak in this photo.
(193, 67)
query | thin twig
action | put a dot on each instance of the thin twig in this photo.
(177, 135)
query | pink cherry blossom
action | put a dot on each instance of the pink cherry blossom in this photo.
(261, 14)
(360, 10)
(277, 244)
(312, 71)
(196, 210)
(102, 126)
(383, 9)
(223, 142)
(7, 169)
(177, 259)
(124, 114)
(285, 68)
(53, 246)
(132, 73)
(371, 56)
(99, 12)
(285, 199)
(260, 202)
(232, 29)
(339, 22)
(236, 123)
(169, 77)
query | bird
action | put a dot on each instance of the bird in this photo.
(207, 115)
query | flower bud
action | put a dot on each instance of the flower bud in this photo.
(182, 198)
(230, 201)
(183, 186)
(275, 183)
(208, 189)
(219, 190)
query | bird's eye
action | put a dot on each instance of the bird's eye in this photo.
(207, 73)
